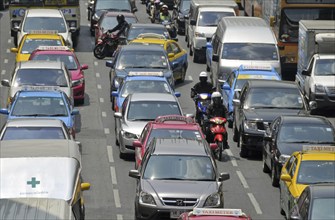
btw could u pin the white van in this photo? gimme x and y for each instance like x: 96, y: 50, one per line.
x: 242, y: 41
x: 203, y: 19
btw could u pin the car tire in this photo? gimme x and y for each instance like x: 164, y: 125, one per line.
x: 81, y: 101
x: 183, y: 74
x: 282, y: 212
x: 2, y: 5
x: 15, y: 40
x: 115, y: 132
x: 266, y: 169
x: 235, y: 133
x: 244, y: 152
x: 274, y: 179
x: 191, y: 51
x: 208, y: 68
x: 196, y: 57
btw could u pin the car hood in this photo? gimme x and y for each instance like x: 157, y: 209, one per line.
x: 76, y: 74
x: 270, y: 114
x: 208, y: 31
x: 289, y: 148
x: 179, y: 188
x: 325, y: 80
x: 134, y: 127
x: 124, y: 72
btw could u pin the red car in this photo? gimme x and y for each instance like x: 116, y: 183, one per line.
x: 169, y: 126
x: 108, y: 21
x: 214, y: 214
x: 67, y: 56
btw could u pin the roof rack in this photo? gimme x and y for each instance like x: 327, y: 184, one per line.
x: 257, y: 67
x: 41, y: 88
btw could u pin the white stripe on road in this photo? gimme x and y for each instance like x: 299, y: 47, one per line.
x: 106, y: 130
x: 3, y: 72
x: 104, y: 114
x: 95, y: 63
x: 190, y: 78
x: 5, y: 60
x: 232, y: 158
x: 8, y: 51
x: 9, y: 41
x: 110, y: 154
x: 242, y: 179
x: 255, y: 203
x: 113, y: 175
x: 97, y: 75
x: 119, y: 217
x: 101, y: 100
x: 99, y: 86
x: 117, y: 198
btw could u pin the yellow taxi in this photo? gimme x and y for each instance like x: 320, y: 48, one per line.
x: 33, y: 40
x: 177, y: 55
x: 312, y: 165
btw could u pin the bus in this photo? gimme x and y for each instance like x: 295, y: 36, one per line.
x: 284, y: 16
x: 70, y: 9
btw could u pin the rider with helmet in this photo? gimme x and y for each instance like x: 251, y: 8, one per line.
x: 121, y: 26
x: 164, y: 15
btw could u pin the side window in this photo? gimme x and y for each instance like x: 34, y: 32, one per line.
x: 289, y: 163
x: 302, y: 199
x: 310, y: 66
x: 304, y: 209
x: 275, y: 126
x: 293, y: 168
x: 124, y: 106
x: 76, y: 210
x: 144, y: 133
x: 175, y: 48
x: 169, y: 49
x: 244, y: 92
x: 215, y: 44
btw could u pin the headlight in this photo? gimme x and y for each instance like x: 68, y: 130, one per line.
x: 250, y: 125
x: 213, y: 200
x: 147, y: 199
x: 78, y: 82
x: 95, y: 17
x: 203, y: 95
x: 181, y: 17
x: 283, y: 158
x: 72, y: 24
x: 16, y: 24
x: 319, y: 89
x: 198, y: 34
x: 130, y: 135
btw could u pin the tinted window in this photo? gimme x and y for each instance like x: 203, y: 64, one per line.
x: 144, y: 86
x: 29, y: 45
x: 323, y: 208
x: 325, y: 67
x: 44, y: 23
x: 173, y: 133
x: 21, y: 133
x: 211, y: 18
x: 311, y: 172
x: 40, y: 77
x: 115, y: 4
x: 142, y: 58
x: 68, y: 60
x: 149, y: 110
x: 249, y: 51
x: 179, y: 167
x: 109, y: 22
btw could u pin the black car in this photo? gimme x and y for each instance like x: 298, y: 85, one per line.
x: 101, y: 6
x: 288, y: 134
x: 261, y: 101
x: 140, y: 28
x: 180, y: 9
x: 315, y: 202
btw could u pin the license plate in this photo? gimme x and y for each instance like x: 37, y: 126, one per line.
x: 176, y: 213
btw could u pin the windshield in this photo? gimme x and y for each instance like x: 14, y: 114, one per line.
x: 249, y: 51
x: 144, y: 86
x: 174, y: 133
x: 40, y: 77
x: 142, y: 59
x: 306, y: 133
x: 30, y: 45
x: 312, y: 172
x: 44, y: 23
x: 289, y: 24
x: 134, y: 32
x: 118, y: 5
x: 150, y: 110
x: 323, y: 208
x: 274, y: 98
x: 22, y: 133
x: 109, y: 22
x: 39, y: 106
x: 68, y: 60
x: 212, y: 18
x: 325, y: 67
x: 160, y: 167
x: 185, y: 5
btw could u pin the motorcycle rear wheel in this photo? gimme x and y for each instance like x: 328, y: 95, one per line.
x: 99, y: 51
x: 219, y: 150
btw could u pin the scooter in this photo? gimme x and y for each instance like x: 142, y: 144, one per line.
x: 106, y: 45
x: 219, y: 133
x: 171, y: 28
x: 202, y: 101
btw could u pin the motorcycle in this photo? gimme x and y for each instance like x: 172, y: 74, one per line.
x: 171, y: 28
x: 106, y: 46
x: 219, y: 133
x: 202, y: 101
x: 154, y: 12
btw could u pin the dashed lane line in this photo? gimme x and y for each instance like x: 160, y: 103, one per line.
x: 232, y: 158
x: 104, y: 114
x: 101, y: 100
x: 117, y: 198
x: 110, y: 154
x: 190, y: 78
x: 113, y: 175
x: 255, y: 203
x: 3, y: 72
x: 106, y: 130
x: 9, y: 41
x: 242, y: 179
x: 8, y: 51
x: 96, y: 63
x: 119, y: 217
x: 5, y: 60
x: 99, y: 86
x: 97, y: 75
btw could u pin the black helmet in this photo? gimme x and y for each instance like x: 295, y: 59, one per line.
x: 120, y: 18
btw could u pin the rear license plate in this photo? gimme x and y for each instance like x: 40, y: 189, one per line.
x: 176, y: 213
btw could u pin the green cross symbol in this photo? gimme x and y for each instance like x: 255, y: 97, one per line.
x: 33, y: 182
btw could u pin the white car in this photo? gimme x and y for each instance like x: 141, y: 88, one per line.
x: 44, y: 20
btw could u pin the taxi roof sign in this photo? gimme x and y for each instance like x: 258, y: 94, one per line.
x: 43, y: 32
x: 318, y: 148
x: 162, y: 119
x: 257, y: 67
x: 64, y: 48
x: 221, y: 212
x: 151, y: 35
x: 132, y: 73
x: 41, y: 88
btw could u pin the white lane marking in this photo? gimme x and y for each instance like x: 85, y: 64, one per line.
x: 8, y: 51
x: 104, y: 114
x: 101, y: 100
x: 119, y: 217
x: 117, y: 198
x: 99, y: 86
x: 97, y: 75
x: 110, y: 154
x: 190, y: 78
x: 255, y: 203
x: 96, y: 63
x: 113, y: 175
x: 5, y: 60
x: 232, y: 159
x: 3, y: 72
x: 242, y: 179
x: 9, y: 41
x: 106, y: 130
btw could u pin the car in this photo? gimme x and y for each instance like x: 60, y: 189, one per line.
x: 287, y: 134
x: 44, y: 19
x: 38, y: 75
x: 180, y: 9
x: 175, y: 176
x: 137, y: 109
x: 68, y: 56
x: 214, y: 214
x: 259, y: 103
x: 100, y: 6
x: 108, y: 21
x: 177, y: 55
x: 315, y: 202
x: 30, y: 42
x: 139, y: 59
x: 35, y: 128
x: 144, y: 83
x: 236, y: 80
x: 43, y: 104
x: 313, y: 165
x: 168, y: 126
x: 140, y: 28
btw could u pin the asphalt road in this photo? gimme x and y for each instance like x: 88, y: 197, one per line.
x: 112, y: 192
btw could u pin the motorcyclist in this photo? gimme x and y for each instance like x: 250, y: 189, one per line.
x: 164, y: 15
x: 215, y: 109
x: 121, y: 26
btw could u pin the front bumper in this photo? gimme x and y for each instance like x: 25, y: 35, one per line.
x: 126, y: 144
x: 157, y: 213
x: 324, y: 100
x: 79, y: 92
x: 253, y: 141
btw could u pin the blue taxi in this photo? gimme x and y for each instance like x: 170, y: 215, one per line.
x: 236, y: 80
x: 42, y: 104
x: 143, y: 83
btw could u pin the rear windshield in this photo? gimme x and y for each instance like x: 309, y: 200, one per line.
x: 249, y: 51
x: 41, y: 77
x: 23, y: 133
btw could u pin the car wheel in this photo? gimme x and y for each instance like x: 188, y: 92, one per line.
x: 15, y: 40
x: 186, y: 39
x: 3, y: 5
x: 191, y: 51
x: 266, y: 169
x: 196, y: 57
x: 281, y: 204
x: 183, y: 74
x: 244, y: 151
x: 208, y: 68
x: 235, y: 133
x: 81, y: 101
x: 274, y: 179
x: 115, y: 132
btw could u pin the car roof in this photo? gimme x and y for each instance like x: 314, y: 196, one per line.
x: 116, y: 13
x: 259, y: 83
x: 322, y: 190
x: 34, y: 93
x: 304, y: 119
x: 142, y: 47
x: 147, y: 25
x: 164, y: 97
x: 146, y: 78
x: 150, y: 41
x: 40, y: 64
x: 44, y: 12
x: 175, y: 125
x: 179, y: 147
x: 34, y: 122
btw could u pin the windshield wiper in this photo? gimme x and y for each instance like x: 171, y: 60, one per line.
x: 33, y: 115
x: 170, y: 178
x: 140, y: 119
x: 55, y: 115
x: 157, y: 67
x: 322, y: 142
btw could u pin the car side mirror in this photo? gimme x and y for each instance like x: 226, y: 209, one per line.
x: 313, y: 105
x: 134, y: 174
x: 286, y: 178
x: 75, y: 111
x: 295, y: 217
x: 85, y: 186
x: 175, y: 39
x: 137, y: 143
x: 84, y: 67
x: 4, y: 111
x: 305, y: 73
x: 236, y: 102
x: 177, y: 94
x: 14, y: 50
x: 171, y: 55
x: 5, y: 82
x: 110, y: 63
x: 224, y: 176
x: 189, y: 115
x: 134, y: 10
x: 117, y: 115
x: 115, y: 94
x: 225, y: 86
x: 193, y: 22
x: 175, y: 7
x: 215, y: 58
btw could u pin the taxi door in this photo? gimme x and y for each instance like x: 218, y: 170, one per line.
x: 228, y: 93
x: 178, y: 60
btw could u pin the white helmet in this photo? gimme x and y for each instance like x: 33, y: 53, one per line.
x: 165, y: 6
x: 216, y: 95
x: 203, y: 74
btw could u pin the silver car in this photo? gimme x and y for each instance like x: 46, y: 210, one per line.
x: 137, y: 109
x: 177, y: 175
